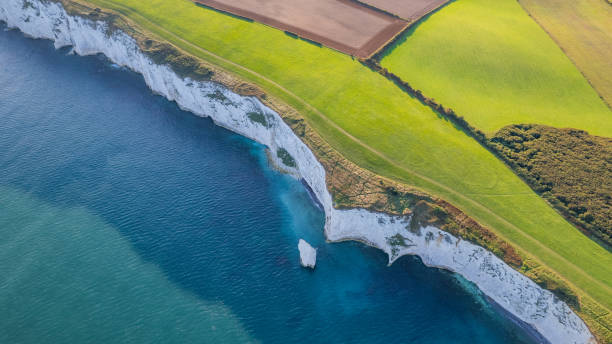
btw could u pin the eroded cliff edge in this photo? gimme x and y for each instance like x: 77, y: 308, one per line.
x: 358, y: 204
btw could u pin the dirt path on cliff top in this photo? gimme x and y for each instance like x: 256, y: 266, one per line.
x: 376, y: 152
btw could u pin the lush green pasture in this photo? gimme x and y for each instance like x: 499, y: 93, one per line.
x: 375, y: 124
x: 583, y: 28
x: 491, y: 63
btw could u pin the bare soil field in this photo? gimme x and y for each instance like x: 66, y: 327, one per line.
x: 338, y: 24
x: 410, y: 10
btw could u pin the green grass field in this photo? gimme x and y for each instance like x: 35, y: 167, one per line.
x: 492, y: 64
x: 375, y: 124
x: 583, y: 28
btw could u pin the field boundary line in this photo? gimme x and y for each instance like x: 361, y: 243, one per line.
x: 609, y: 105
x: 386, y: 159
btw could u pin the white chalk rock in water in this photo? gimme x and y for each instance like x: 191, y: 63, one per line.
x: 509, y: 288
x: 308, y: 254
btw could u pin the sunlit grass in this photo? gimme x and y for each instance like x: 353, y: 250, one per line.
x: 492, y: 64
x: 390, y: 133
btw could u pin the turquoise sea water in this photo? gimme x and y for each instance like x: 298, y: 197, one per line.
x: 126, y: 220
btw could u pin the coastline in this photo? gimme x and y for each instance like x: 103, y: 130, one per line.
x: 514, y: 292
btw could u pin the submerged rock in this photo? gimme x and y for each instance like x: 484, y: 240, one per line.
x: 308, y: 254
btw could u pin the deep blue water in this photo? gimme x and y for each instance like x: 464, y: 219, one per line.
x: 125, y: 219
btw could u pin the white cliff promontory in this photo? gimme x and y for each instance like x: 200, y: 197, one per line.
x: 308, y: 254
x: 520, y: 296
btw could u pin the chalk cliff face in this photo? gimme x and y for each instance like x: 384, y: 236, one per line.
x: 521, y: 297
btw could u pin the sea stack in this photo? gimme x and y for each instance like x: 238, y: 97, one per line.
x: 308, y: 254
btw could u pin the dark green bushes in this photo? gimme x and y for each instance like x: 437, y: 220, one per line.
x: 285, y: 157
x: 258, y: 117
x: 568, y: 167
x: 182, y: 64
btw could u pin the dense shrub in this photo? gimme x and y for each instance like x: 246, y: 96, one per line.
x: 568, y: 167
x: 258, y: 117
x: 166, y: 54
x: 285, y: 157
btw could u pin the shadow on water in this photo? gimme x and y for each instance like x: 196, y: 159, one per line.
x: 201, y: 204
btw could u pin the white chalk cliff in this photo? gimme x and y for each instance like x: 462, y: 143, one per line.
x: 308, y: 254
x: 517, y: 294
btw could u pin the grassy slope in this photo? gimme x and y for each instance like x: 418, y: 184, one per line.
x: 495, y: 66
x: 583, y: 29
x: 379, y: 127
x: 571, y: 169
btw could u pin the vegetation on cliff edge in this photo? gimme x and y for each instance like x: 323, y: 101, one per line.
x: 569, y: 167
x: 360, y: 114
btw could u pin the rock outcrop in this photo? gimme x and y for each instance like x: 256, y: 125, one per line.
x: 521, y: 297
x: 308, y: 254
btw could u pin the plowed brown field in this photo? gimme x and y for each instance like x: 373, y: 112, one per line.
x: 410, y: 10
x: 339, y: 24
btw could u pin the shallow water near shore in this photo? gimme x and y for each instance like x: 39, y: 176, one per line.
x: 125, y: 219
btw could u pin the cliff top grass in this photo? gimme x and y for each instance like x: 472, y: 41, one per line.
x: 493, y: 65
x: 568, y: 167
x: 376, y: 125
